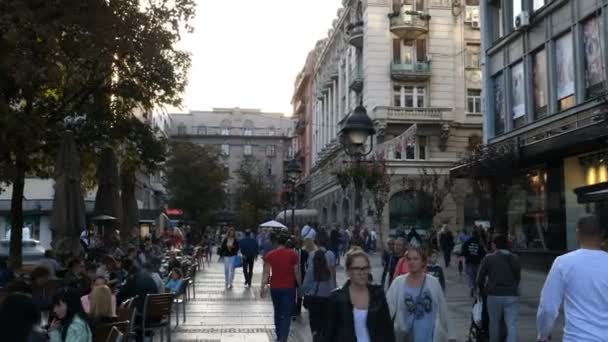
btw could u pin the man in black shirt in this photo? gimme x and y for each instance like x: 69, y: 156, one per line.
x: 473, y: 252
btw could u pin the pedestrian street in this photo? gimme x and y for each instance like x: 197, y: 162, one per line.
x: 221, y: 315
x: 239, y: 314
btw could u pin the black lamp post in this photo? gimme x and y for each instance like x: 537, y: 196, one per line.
x: 293, y: 171
x: 353, y: 137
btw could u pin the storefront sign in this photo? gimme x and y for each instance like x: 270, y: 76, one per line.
x: 174, y: 212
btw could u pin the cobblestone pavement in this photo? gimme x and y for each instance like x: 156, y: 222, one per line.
x: 239, y: 314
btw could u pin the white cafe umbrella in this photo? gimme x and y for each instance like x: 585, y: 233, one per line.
x: 273, y: 224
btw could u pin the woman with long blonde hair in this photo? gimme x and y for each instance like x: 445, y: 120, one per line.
x: 101, y: 309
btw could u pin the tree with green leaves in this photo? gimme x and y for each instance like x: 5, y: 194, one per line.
x: 256, y: 194
x: 86, y: 66
x: 195, y: 179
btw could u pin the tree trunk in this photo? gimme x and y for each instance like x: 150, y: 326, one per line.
x: 15, y: 257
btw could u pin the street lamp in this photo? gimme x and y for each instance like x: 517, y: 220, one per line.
x: 293, y: 172
x: 353, y: 137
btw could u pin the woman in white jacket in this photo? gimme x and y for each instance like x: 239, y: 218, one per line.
x: 417, y: 304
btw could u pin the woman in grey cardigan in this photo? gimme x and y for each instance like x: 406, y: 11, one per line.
x: 417, y: 303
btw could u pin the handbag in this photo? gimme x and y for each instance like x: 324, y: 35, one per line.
x: 237, y: 261
x: 309, y: 300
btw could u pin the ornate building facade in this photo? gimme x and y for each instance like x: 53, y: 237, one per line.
x: 414, y: 65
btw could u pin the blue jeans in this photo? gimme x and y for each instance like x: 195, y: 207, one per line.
x: 283, y: 301
x: 499, y: 306
x: 471, y: 270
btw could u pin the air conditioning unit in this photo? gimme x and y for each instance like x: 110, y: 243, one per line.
x: 522, y: 20
x: 475, y: 24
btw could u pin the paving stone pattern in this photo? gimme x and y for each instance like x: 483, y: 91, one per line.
x: 239, y: 314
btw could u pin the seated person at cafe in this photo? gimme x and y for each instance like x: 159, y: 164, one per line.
x: 71, y: 323
x: 87, y: 300
x: 175, y: 281
x: 139, y: 283
x: 76, y: 277
x: 102, y: 305
x: 20, y: 319
x: 50, y: 262
x: 39, y: 278
x: 6, y: 273
x: 173, y: 262
x: 154, y: 274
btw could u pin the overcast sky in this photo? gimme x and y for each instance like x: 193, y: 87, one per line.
x: 247, y: 53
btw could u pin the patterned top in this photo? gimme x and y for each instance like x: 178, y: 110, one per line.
x: 78, y: 331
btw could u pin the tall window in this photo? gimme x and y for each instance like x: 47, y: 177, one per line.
x: 225, y: 131
x: 397, y: 96
x: 271, y: 131
x: 409, y: 96
x: 540, y: 84
x: 201, y: 130
x: 518, y: 103
x: 271, y: 151
x: 181, y: 129
x: 471, y: 11
x: 474, y: 101
x: 595, y: 73
x: 248, y: 150
x: 473, y: 56
x: 564, y: 59
x: 225, y: 150
x: 499, y: 111
x: 421, y: 147
x: 248, y: 132
x: 497, y: 23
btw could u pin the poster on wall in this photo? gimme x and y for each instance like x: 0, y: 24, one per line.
x: 594, y: 66
x: 499, y: 115
x: 517, y: 82
x: 540, y: 77
x: 565, y: 66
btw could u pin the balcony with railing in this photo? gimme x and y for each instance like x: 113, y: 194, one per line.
x: 410, y: 115
x: 355, y: 34
x: 356, y: 79
x: 415, y: 71
x: 409, y: 25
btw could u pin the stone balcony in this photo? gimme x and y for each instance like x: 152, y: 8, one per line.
x: 355, y: 34
x: 415, y: 71
x: 411, y: 115
x: 409, y: 25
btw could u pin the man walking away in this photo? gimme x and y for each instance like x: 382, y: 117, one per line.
x: 334, y: 241
x: 473, y: 252
x: 446, y: 242
x: 579, y: 279
x: 498, y: 279
x: 249, y: 249
x: 283, y: 264
x: 389, y: 262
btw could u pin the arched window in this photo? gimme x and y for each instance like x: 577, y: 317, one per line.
x: 271, y: 131
x: 225, y: 127
x: 201, y: 130
x: 409, y: 209
x: 248, y: 128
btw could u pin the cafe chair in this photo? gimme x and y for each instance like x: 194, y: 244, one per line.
x: 179, y: 299
x: 103, y: 332
x: 114, y: 336
x: 157, y: 314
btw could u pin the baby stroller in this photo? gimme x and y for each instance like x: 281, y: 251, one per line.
x: 478, y: 330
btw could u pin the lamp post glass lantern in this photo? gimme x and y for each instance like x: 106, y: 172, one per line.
x: 357, y: 129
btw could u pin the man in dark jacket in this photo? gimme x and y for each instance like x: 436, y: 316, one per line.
x: 139, y: 283
x: 473, y: 252
x: 249, y: 249
x: 390, y: 257
x: 498, y: 279
x: 446, y: 243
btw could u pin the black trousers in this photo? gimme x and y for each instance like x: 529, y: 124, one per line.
x: 248, y: 269
x: 317, y: 314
